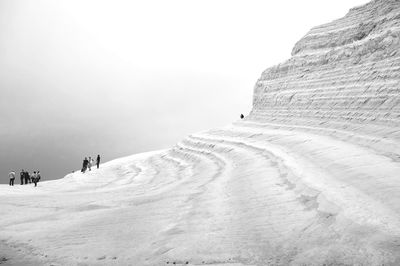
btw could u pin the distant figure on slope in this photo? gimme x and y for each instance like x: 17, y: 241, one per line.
x: 27, y: 178
x: 90, y: 163
x: 98, y: 161
x: 22, y: 176
x: 241, y: 116
x: 85, y: 165
x: 38, y: 176
x: 11, y: 175
x: 34, y: 178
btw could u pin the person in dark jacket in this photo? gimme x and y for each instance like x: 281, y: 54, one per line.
x: 22, y: 176
x: 26, y: 177
x: 98, y: 161
x: 85, y: 165
x: 241, y: 116
x: 38, y: 176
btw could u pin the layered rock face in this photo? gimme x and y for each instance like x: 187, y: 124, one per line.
x: 310, y: 177
x: 345, y: 73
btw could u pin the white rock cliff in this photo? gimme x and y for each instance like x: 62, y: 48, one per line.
x: 345, y: 72
x: 310, y: 177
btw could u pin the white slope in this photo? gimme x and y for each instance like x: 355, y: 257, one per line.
x: 247, y: 194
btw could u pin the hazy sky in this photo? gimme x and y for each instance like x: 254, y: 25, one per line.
x: 82, y: 77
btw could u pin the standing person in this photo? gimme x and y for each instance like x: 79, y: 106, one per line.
x: 90, y: 163
x: 85, y: 165
x: 26, y: 176
x: 98, y: 161
x: 11, y: 175
x: 38, y: 176
x: 30, y: 176
x: 22, y: 176
x: 34, y: 178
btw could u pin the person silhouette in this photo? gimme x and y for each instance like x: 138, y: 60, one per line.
x: 22, y: 176
x: 11, y: 175
x: 35, y: 178
x: 89, y: 164
x: 98, y: 161
x: 85, y: 165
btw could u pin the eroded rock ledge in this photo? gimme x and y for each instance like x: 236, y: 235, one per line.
x: 345, y: 73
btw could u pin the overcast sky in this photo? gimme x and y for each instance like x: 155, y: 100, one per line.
x: 111, y: 77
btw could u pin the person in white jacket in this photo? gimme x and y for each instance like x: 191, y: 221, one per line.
x: 11, y: 175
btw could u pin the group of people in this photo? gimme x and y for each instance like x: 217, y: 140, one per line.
x: 26, y: 177
x: 88, y: 163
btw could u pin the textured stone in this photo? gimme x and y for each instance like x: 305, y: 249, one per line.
x: 311, y: 177
x: 343, y: 72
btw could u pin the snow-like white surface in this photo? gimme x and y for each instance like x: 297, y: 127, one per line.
x: 312, y: 177
x: 246, y: 194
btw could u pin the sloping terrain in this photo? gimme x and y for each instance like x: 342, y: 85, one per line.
x: 246, y: 194
x: 310, y: 177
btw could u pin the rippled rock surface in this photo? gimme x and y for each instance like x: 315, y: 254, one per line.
x: 310, y: 177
